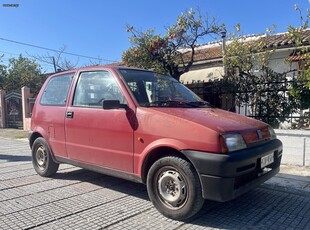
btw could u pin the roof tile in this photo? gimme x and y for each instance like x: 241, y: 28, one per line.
x: 280, y: 40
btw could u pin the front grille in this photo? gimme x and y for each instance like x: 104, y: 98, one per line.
x: 245, y: 168
x: 250, y: 176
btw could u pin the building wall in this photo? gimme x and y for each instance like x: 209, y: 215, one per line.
x: 279, y: 63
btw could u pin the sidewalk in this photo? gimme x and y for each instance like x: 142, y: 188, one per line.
x: 13, y: 133
x: 292, y: 178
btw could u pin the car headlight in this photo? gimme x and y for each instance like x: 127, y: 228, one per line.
x: 233, y: 142
x: 272, y: 133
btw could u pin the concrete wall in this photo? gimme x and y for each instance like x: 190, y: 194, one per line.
x: 2, y: 109
x: 296, y: 146
x: 26, y: 110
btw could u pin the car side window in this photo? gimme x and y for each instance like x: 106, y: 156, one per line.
x: 95, y: 87
x: 56, y: 90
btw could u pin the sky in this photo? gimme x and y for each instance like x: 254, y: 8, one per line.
x: 96, y: 29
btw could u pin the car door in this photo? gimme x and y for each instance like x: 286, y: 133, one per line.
x: 50, y: 117
x: 95, y: 135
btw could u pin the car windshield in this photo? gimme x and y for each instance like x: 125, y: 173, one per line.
x: 157, y: 90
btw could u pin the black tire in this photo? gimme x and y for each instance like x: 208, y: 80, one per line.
x: 42, y: 159
x: 174, y: 188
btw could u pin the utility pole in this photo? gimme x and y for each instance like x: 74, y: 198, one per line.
x: 54, y: 63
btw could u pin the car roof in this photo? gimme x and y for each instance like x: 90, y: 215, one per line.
x: 96, y: 67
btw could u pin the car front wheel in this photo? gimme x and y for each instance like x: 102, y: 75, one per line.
x: 174, y: 188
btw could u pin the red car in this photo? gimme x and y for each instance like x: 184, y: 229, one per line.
x: 149, y: 128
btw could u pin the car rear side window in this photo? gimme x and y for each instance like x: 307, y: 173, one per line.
x: 56, y: 90
x: 95, y: 87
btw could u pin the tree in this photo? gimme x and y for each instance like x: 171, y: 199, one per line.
x: 3, y: 73
x: 263, y: 96
x: 174, y: 52
x: 253, y: 82
x: 300, y: 91
x: 246, y: 55
x: 22, y: 72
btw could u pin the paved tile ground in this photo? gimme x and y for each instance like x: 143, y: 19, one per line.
x: 80, y: 199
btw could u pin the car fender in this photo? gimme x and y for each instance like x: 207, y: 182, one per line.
x: 140, y: 160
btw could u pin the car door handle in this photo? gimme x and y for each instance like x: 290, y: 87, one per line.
x: 69, y: 114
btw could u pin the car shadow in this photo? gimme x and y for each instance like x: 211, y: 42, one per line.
x: 120, y: 185
x: 12, y: 158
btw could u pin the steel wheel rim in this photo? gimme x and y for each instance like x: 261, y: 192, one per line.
x: 41, y: 157
x: 172, y: 188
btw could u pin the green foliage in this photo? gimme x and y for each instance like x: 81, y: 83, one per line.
x: 271, y: 101
x: 255, y: 84
x: 173, y: 52
x: 21, y: 72
x: 263, y: 90
x: 300, y: 90
x: 265, y: 95
x: 3, y: 72
x: 141, y: 55
x: 247, y: 55
x: 296, y: 34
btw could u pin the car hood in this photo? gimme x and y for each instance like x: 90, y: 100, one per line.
x: 216, y: 119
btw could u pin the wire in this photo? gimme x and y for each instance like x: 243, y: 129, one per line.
x: 57, y: 51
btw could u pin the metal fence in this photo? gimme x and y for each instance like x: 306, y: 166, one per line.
x: 273, y: 101
x: 13, y: 110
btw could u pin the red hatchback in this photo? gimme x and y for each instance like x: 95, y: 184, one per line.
x: 149, y: 128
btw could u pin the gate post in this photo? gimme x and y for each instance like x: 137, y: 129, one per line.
x: 26, y: 109
x: 2, y: 109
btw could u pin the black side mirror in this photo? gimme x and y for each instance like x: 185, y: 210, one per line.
x: 114, y: 104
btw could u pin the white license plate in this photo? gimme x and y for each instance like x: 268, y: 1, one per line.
x: 266, y: 160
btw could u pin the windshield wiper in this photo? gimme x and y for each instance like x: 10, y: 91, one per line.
x: 166, y: 103
x: 200, y: 104
x: 178, y: 103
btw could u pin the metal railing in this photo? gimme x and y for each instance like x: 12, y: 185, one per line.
x: 239, y: 98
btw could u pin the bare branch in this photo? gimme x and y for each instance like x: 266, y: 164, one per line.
x: 173, y: 52
x: 56, y: 59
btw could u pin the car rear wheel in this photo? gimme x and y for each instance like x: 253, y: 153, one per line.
x: 174, y: 188
x: 42, y: 159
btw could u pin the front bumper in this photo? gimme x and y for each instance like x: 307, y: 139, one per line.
x: 226, y: 176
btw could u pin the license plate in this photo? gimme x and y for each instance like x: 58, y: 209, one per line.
x: 266, y: 160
